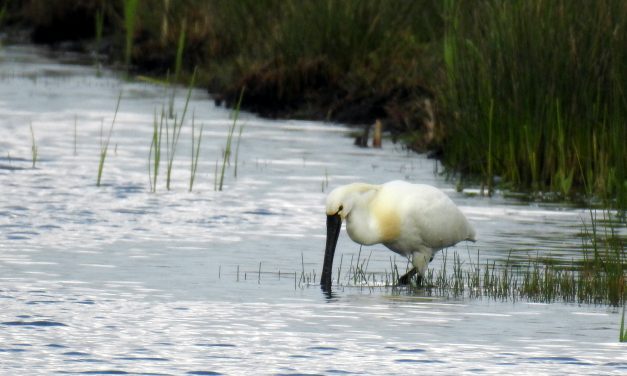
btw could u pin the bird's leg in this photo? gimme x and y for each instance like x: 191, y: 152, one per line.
x: 405, y: 278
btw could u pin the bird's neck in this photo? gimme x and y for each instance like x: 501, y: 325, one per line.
x: 361, y: 225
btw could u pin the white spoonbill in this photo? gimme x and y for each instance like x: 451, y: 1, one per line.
x: 413, y: 220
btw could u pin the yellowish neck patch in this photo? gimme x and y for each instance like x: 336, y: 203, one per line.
x: 387, y: 219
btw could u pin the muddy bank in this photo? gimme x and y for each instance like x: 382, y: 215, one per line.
x: 311, y: 90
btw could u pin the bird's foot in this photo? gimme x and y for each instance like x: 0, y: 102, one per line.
x: 406, y: 279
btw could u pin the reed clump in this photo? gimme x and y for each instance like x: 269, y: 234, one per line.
x: 591, y: 281
x: 543, y: 107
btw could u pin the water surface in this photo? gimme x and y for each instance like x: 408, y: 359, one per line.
x: 118, y: 280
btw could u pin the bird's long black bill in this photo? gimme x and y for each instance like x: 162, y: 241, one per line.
x: 334, y: 224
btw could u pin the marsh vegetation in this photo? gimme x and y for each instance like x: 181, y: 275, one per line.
x: 535, y: 109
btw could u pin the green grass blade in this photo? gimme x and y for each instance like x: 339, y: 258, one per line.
x: 104, y: 146
x: 227, y: 150
x: 623, y: 332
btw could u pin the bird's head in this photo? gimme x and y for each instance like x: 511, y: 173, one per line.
x: 339, y: 204
x: 342, y: 199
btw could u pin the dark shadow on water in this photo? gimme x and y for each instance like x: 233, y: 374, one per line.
x: 11, y: 167
x: 39, y: 323
x: 328, y: 293
x: 558, y: 359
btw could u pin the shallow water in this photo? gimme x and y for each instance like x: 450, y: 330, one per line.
x: 116, y: 279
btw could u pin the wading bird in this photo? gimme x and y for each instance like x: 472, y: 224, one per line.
x: 413, y: 220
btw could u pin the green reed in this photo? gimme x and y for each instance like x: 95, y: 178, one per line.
x: 195, y: 152
x: 226, y: 155
x: 104, y: 144
x: 178, y: 64
x: 130, y: 19
x: 154, y: 155
x: 180, y: 48
x: 622, y: 336
x: 34, y: 149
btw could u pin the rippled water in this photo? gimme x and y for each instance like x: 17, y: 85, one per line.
x: 118, y: 280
